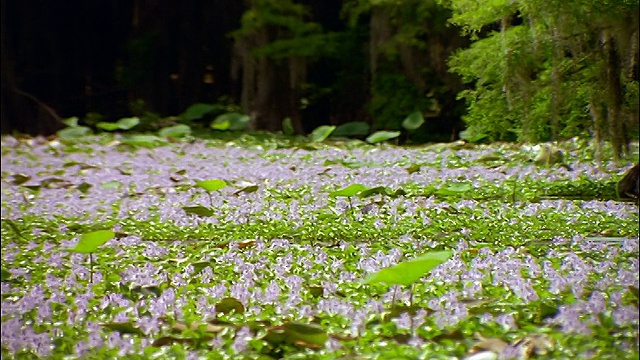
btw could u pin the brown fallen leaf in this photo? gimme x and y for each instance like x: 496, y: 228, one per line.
x: 492, y: 344
x: 208, y: 327
x: 539, y: 344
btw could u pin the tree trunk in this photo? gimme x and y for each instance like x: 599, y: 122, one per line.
x: 614, y: 98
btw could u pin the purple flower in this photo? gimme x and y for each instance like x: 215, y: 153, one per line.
x: 241, y: 339
x: 625, y: 315
x: 506, y: 321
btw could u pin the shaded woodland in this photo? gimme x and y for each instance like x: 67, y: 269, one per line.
x: 527, y: 72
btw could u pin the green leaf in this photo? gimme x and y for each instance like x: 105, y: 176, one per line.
x: 71, y: 122
x: 122, y: 124
x: 84, y: 187
x: 247, y: 189
x: 413, y: 168
x: 454, y: 188
x: 111, y: 184
x: 380, y: 136
x: 123, y: 328
x: 472, y: 136
x: 350, y: 190
x: 230, y: 121
x: 19, y: 179
x: 287, y: 126
x: 221, y: 125
x: 408, y: 272
x: 107, y: 126
x: 320, y: 133
x: 228, y: 305
x: 75, y: 132
x: 175, y: 131
x: 413, y: 121
x: 308, y: 333
x: 148, y: 141
x: 128, y: 123
x: 197, y: 111
x: 90, y: 242
x: 198, y: 210
x: 6, y: 275
x: 211, y: 185
x: 353, y: 128
x: 374, y: 191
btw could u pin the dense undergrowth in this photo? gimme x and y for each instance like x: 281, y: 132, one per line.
x: 270, y: 259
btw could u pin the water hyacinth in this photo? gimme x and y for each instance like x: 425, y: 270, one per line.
x: 292, y: 258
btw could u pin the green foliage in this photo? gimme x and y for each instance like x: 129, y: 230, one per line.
x: 380, y: 136
x: 350, y: 190
x: 408, y: 272
x: 90, y: 242
x: 320, y: 133
x: 537, y: 78
x: 413, y: 121
x: 211, y: 185
x: 142, y: 140
x: 175, y: 131
x: 122, y: 124
x: 354, y: 128
x: 393, y: 97
x: 73, y: 131
x: 312, y: 252
x: 230, y: 121
x: 287, y: 126
x: 301, y: 38
x: 198, y: 111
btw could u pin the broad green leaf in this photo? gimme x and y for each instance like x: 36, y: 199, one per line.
x: 107, y: 126
x: 228, y: 305
x: 73, y: 132
x: 472, y: 136
x: 320, y: 133
x: 123, y: 328
x: 19, y: 179
x: 143, y: 140
x: 230, y: 121
x: 198, y: 210
x: 454, y: 188
x: 128, y: 123
x: 71, y: 122
x: 380, y: 136
x: 408, y: 272
x: 374, y: 191
x: 211, y: 185
x: 6, y: 275
x: 350, y: 190
x: 413, y: 168
x: 90, y: 242
x: 413, y: 121
x: 84, y: 187
x: 111, y: 184
x: 247, y: 189
x: 353, y: 128
x: 287, y: 126
x: 147, y: 291
x: 175, y: 131
x: 197, y: 111
x: 221, y: 125
x: 122, y: 124
x: 308, y: 333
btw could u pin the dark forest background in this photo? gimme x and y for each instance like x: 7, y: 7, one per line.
x: 529, y: 71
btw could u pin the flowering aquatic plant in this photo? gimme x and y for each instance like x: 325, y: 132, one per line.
x: 275, y: 265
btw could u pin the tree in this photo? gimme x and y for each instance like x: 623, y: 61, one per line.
x: 544, y: 70
x: 272, y: 49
